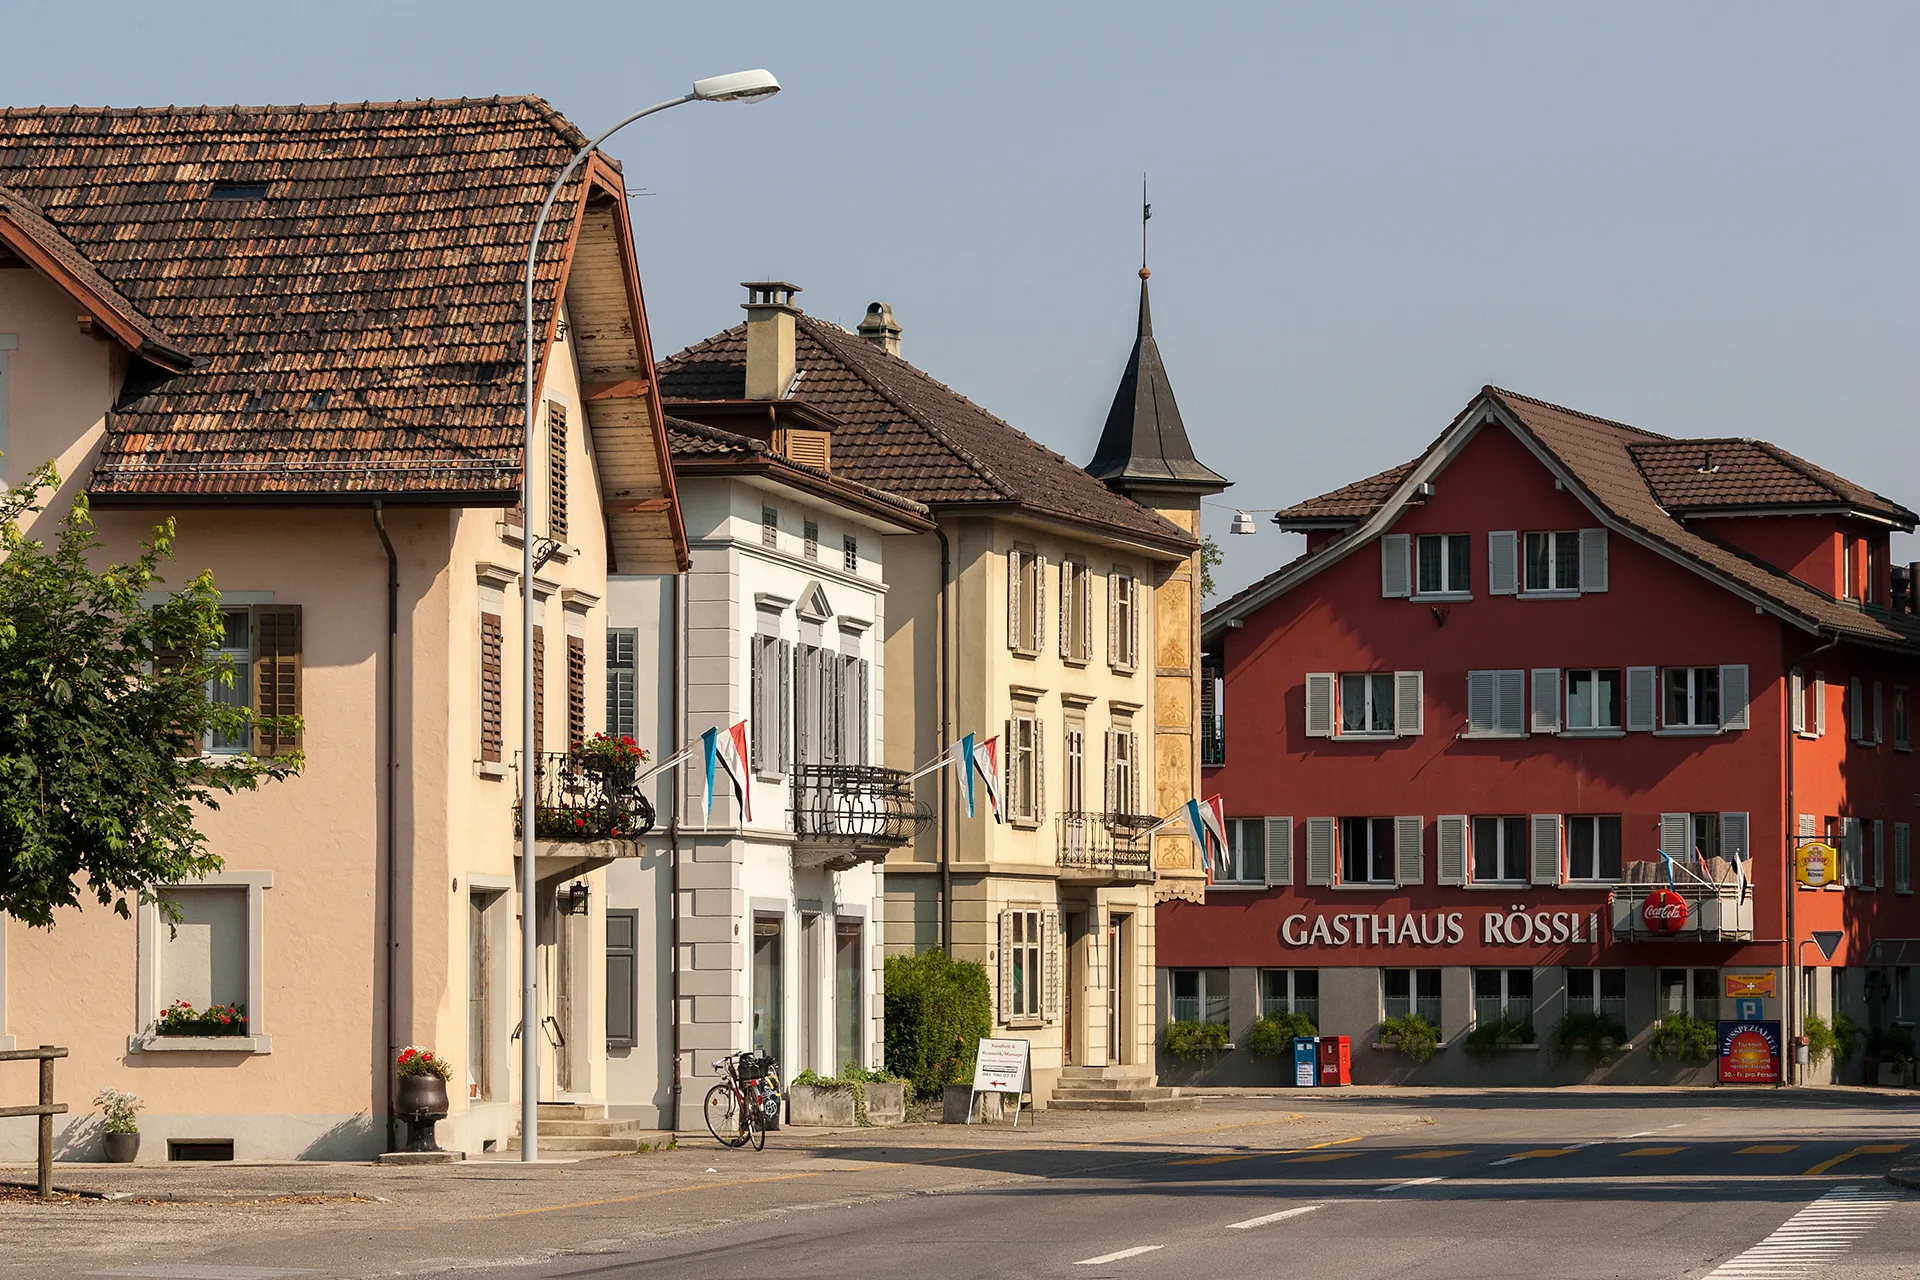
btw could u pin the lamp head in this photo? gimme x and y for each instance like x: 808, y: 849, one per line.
x: 740, y: 86
x: 1242, y: 522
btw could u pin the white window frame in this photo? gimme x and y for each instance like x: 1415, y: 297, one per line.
x: 1554, y: 591
x: 850, y: 552
x: 1201, y: 995
x: 1593, y: 821
x: 810, y: 539
x: 1243, y: 836
x: 242, y: 656
x: 1414, y: 998
x: 1619, y: 675
x: 1693, y: 723
x: 1369, y: 706
x: 1448, y: 588
x: 1373, y: 855
x: 1516, y: 861
x: 1026, y: 1002
x: 1023, y: 767
x: 1597, y: 1002
x: 1026, y: 568
x: 1124, y: 591
x: 1076, y: 612
x: 1506, y: 973
x: 149, y: 933
x: 1290, y: 1002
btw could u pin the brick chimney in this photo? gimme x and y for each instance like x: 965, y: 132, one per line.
x: 879, y: 328
x: 770, y: 359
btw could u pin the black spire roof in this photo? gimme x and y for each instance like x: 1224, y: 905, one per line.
x: 1144, y: 444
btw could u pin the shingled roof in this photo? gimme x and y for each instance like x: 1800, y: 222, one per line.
x: 902, y: 431
x: 702, y: 449
x: 1599, y: 460
x: 352, y: 323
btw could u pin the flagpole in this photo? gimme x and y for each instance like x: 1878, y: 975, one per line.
x: 939, y: 761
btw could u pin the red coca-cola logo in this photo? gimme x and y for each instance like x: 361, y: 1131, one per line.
x: 1664, y: 911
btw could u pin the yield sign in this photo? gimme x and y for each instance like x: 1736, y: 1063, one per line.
x: 1828, y: 940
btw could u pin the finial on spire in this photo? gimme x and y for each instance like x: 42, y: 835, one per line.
x: 1146, y: 212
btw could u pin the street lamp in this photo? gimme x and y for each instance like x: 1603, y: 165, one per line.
x: 740, y: 86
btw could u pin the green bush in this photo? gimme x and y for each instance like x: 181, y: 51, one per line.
x: 853, y: 1079
x: 1273, y: 1035
x: 1594, y: 1035
x: 938, y: 1010
x: 1412, y: 1036
x: 1821, y: 1042
x: 1846, y: 1037
x: 1493, y: 1037
x: 1186, y: 1039
x: 1692, y: 1039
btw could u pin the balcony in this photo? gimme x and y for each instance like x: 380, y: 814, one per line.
x: 580, y: 804
x: 1719, y: 904
x: 1105, y: 848
x: 846, y: 814
x: 1213, y: 741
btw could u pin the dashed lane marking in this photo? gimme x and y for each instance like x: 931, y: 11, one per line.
x: 1265, y: 1218
x: 1413, y: 1182
x: 1324, y: 1156
x: 1869, y: 1149
x: 1652, y: 1151
x: 1767, y: 1149
x: 1121, y: 1256
x: 1814, y: 1238
x: 1440, y: 1153
x: 1212, y: 1160
x: 1540, y: 1153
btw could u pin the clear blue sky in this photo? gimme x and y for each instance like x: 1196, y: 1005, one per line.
x: 1697, y: 218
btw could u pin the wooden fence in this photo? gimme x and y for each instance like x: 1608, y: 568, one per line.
x: 46, y: 1109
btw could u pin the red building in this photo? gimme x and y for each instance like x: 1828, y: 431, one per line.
x: 1459, y: 738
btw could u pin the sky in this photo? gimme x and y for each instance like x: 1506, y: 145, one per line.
x: 1697, y: 218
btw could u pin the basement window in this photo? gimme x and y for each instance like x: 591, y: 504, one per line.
x: 200, y: 1149
x: 238, y: 191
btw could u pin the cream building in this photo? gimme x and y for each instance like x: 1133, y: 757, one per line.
x: 1047, y: 610
x: 298, y: 338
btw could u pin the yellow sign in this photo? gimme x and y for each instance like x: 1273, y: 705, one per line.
x: 1816, y: 864
x: 1749, y: 984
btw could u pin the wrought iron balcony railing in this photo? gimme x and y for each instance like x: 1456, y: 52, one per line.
x: 1106, y: 846
x: 852, y: 806
x: 580, y: 798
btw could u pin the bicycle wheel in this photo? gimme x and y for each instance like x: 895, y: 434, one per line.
x: 756, y: 1119
x: 725, y: 1116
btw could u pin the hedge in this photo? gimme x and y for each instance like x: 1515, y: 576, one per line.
x: 938, y: 1010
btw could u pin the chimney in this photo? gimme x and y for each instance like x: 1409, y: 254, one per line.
x: 770, y: 360
x: 879, y: 328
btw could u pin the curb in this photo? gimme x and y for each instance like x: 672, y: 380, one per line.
x: 1907, y: 1176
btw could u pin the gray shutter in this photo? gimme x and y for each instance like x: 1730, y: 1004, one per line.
x: 1011, y: 801
x: 1879, y: 852
x: 1819, y: 705
x: 1593, y: 560
x: 866, y: 713
x: 1796, y: 694
x: 1050, y: 962
x: 785, y: 757
x: 756, y: 708
x: 1013, y: 599
x: 1136, y: 605
x: 1319, y: 704
x: 1409, y: 704
x: 1643, y: 700
x: 1452, y: 849
x: 1879, y: 724
x: 1320, y: 851
x: 1480, y: 702
x: 1676, y: 836
x: 1546, y: 848
x: 1039, y: 605
x: 1108, y: 802
x: 1066, y: 608
x: 1039, y: 769
x: 1733, y: 696
x: 1733, y: 837
x: 623, y: 977
x: 1006, y: 965
x: 1512, y: 700
x: 1503, y: 563
x: 1409, y: 853
x: 1083, y: 591
x: 1133, y: 774
x: 1279, y: 850
x: 1546, y: 700
x: 1395, y: 572
x: 1902, y: 858
x: 1113, y: 621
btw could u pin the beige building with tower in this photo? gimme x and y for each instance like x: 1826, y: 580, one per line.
x: 1046, y: 609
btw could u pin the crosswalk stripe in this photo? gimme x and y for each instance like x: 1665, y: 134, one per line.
x: 1813, y: 1238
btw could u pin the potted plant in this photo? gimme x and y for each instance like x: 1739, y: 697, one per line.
x: 611, y: 757
x: 1193, y: 1040
x: 1411, y: 1036
x: 1686, y: 1037
x: 421, y: 1099
x: 121, y: 1111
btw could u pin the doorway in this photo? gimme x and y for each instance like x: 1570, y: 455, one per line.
x: 1118, y: 995
x: 1073, y: 937
x: 812, y: 996
x: 766, y: 985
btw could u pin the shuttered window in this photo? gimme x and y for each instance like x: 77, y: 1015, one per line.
x: 1123, y: 621
x: 275, y: 678
x: 1879, y: 853
x: 1368, y: 851
x: 1503, y: 562
x: 1026, y: 600
x: 1546, y: 848
x: 1320, y: 704
x: 1442, y: 564
x: 623, y: 977
x: 556, y: 471
x: 1320, y: 839
x: 490, y: 730
x: 576, y: 692
x: 1409, y: 850
x: 1076, y: 612
x: 1396, y: 576
x: 1451, y: 846
x: 1500, y: 849
x: 1902, y: 858
x: 1024, y: 962
x: 1496, y: 704
x: 1546, y: 700
x: 539, y: 690
x: 623, y: 644
x: 1733, y: 696
x: 1593, y: 698
x: 1642, y: 698
x: 1280, y: 851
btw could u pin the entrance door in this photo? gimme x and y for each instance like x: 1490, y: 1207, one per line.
x: 812, y: 996
x: 1073, y: 930
x: 569, y: 945
x: 1118, y: 996
x: 767, y: 994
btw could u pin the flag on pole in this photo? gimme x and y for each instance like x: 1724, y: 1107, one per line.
x: 729, y: 749
x: 963, y: 760
x: 986, y: 762
x: 1209, y: 831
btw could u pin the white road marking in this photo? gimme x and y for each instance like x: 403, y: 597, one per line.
x: 1415, y: 1182
x: 1815, y: 1237
x: 1264, y: 1219
x: 1134, y: 1252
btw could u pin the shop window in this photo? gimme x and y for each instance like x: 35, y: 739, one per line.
x: 1503, y: 997
x: 1499, y: 850
x: 1593, y: 846
x: 1411, y: 991
x: 1290, y: 991
x: 1601, y: 991
x: 1199, y: 995
x: 849, y: 1016
x: 1695, y: 992
x: 1366, y: 851
x: 767, y: 973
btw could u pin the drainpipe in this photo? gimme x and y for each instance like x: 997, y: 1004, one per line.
x: 1795, y: 1015
x: 393, y: 777
x: 946, y: 736
x: 677, y: 778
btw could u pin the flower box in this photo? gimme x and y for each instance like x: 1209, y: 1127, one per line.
x: 182, y: 1019
x: 833, y: 1107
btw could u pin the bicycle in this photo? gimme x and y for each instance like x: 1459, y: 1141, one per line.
x: 739, y: 1107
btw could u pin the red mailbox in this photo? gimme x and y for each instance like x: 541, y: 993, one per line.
x: 1336, y: 1059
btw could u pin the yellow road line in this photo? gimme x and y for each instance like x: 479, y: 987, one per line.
x: 1767, y: 1149
x: 1869, y: 1149
x: 1323, y: 1156
x: 1542, y: 1153
x: 1440, y: 1154
x: 1652, y: 1151
x: 1212, y: 1160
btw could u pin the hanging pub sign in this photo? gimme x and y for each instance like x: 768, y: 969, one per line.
x: 1664, y: 912
x: 1816, y: 864
x: 1749, y: 1053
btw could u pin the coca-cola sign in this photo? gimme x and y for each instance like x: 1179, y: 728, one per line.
x: 1664, y: 911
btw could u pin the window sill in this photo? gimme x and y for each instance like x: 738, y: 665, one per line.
x: 1518, y: 1048
x: 1547, y: 595
x: 1497, y: 886
x: 1593, y: 733
x: 1590, y: 885
x: 489, y: 769
x: 1357, y: 736
x: 1440, y: 597
x: 1239, y: 886
x: 1689, y: 731
x: 1902, y: 746
x: 1018, y: 652
x: 1494, y: 737
x: 1023, y: 824
x: 1376, y: 886
x: 512, y: 534
x: 150, y: 1043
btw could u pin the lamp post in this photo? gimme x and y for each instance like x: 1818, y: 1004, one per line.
x: 741, y: 86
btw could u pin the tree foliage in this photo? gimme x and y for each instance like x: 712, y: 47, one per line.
x: 105, y: 684
x: 1210, y: 558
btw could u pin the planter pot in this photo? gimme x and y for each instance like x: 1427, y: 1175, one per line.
x: 955, y: 1105
x: 834, y: 1108
x: 420, y: 1101
x: 1890, y: 1073
x: 122, y: 1147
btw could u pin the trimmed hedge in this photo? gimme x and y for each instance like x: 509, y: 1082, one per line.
x: 938, y: 1011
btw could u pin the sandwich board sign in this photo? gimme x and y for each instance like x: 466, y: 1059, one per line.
x: 1001, y: 1066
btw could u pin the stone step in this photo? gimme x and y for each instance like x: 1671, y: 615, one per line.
x: 1123, y: 1104
x: 1119, y: 1071
x: 1098, y: 1084
x: 590, y: 1128
x: 573, y: 1111
x: 580, y: 1143
x: 1143, y: 1093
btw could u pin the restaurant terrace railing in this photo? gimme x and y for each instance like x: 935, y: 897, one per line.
x: 577, y: 797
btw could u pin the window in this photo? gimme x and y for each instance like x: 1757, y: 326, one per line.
x: 623, y: 682
x: 576, y: 692
x: 1022, y: 790
x: 1705, y: 830
x: 1213, y: 724
x: 210, y: 958
x: 1411, y: 992
x: 1593, y: 847
x: 1849, y: 574
x: 1075, y: 781
x: 262, y: 644
x: 849, y: 1016
x: 490, y: 728
x: 539, y: 690
x: 1499, y: 850
x: 1496, y: 704
x: 236, y: 645
x: 1123, y: 776
x: 1601, y: 991
x: 1290, y: 991
x: 1692, y: 697
x: 1593, y: 699
x: 810, y: 539
x: 484, y: 912
x: 1374, y: 704
x: 1901, y: 740
x: 1870, y: 579
x: 1809, y: 703
x: 850, y: 687
x: 767, y: 658
x: 1902, y: 858
x: 1553, y: 561
x: 1246, y: 852
x: 815, y: 724
x: 1026, y: 598
x: 1122, y: 620
x: 556, y: 471
x: 1366, y: 851
x: 1366, y: 704
x: 1504, y: 997
x: 768, y: 963
x: 1443, y: 563
x: 1693, y: 992
x: 1025, y: 946
x: 1199, y: 995
x: 849, y: 553
x: 1076, y: 612
x: 769, y: 527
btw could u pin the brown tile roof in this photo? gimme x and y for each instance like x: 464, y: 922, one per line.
x: 906, y: 433
x: 1702, y: 475
x: 1349, y: 503
x: 355, y: 331
x: 1600, y: 457
x: 695, y: 444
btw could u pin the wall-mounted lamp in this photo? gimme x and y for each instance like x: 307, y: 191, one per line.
x: 574, y: 900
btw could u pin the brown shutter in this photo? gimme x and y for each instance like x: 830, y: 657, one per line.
x: 556, y: 472
x: 490, y: 687
x: 276, y: 677
x: 539, y: 690
x: 576, y: 692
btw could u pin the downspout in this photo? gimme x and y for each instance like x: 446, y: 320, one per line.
x: 393, y: 768
x: 1795, y: 1015
x: 677, y: 779
x: 946, y: 736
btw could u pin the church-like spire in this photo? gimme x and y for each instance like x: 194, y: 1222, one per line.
x: 1144, y: 444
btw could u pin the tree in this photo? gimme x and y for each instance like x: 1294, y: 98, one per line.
x: 106, y: 691
x: 1210, y: 558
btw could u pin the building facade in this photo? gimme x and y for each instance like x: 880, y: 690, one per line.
x: 1463, y: 734
x: 319, y: 383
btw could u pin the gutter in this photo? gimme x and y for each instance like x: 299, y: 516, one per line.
x: 1796, y: 1015
x: 386, y: 817
x: 946, y: 735
x: 676, y: 779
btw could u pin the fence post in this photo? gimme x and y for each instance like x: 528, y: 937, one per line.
x: 46, y: 1125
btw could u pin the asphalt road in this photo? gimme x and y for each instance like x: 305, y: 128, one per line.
x: 1563, y: 1185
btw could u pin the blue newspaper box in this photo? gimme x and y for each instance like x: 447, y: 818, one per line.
x: 1306, y: 1061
